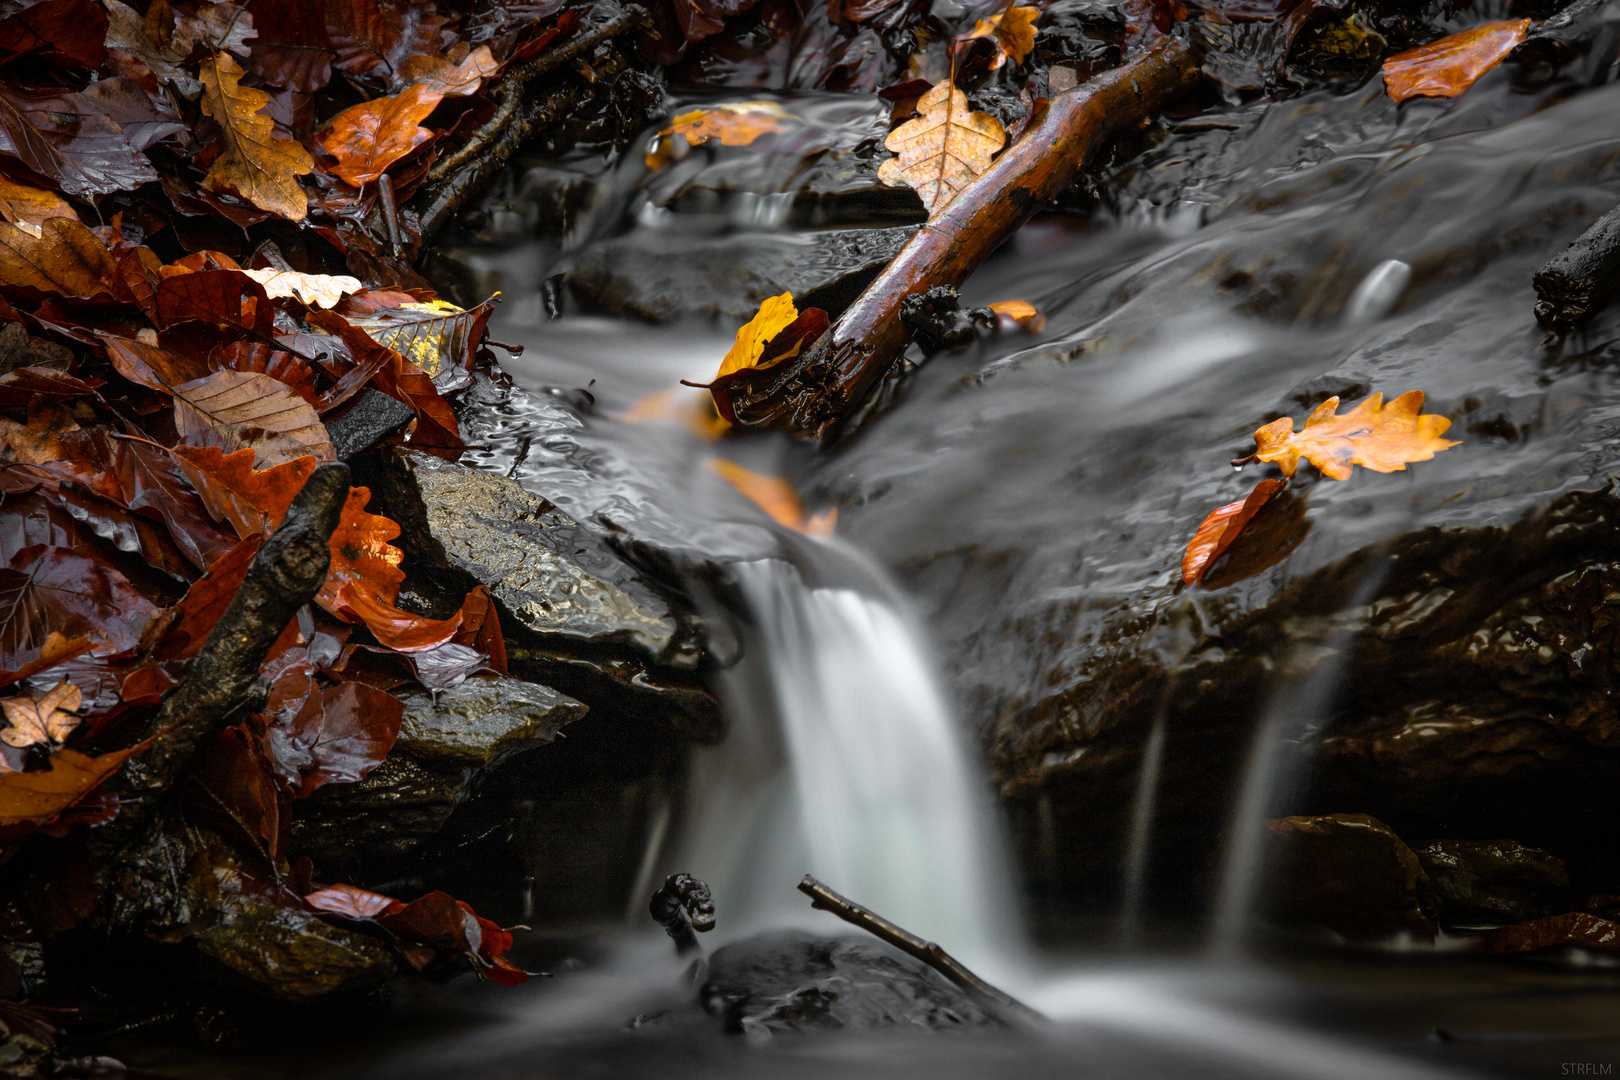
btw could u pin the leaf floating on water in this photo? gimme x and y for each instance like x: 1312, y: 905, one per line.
x: 943, y: 150
x: 1447, y: 67
x: 1378, y: 437
x: 45, y: 720
x: 776, y: 497
x: 1217, y: 531
x: 1020, y: 313
x: 1013, y: 32
x: 738, y: 124
x: 254, y: 163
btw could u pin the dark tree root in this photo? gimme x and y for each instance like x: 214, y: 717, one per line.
x: 223, y: 680
x: 460, y: 175
x: 811, y: 395
x: 824, y: 899
x: 680, y: 906
x: 1582, y: 278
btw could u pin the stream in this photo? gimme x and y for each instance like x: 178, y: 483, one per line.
x: 985, y: 707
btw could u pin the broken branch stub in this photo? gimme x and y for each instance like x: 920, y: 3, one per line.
x: 683, y: 904
x: 812, y: 394
x: 1582, y: 278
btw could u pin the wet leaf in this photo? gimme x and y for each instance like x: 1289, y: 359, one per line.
x: 350, y: 902
x: 252, y: 500
x: 228, y: 302
x: 193, y: 618
x: 775, y: 496
x: 147, y: 480
x: 399, y: 630
x: 292, y: 48
x: 246, y: 409
x: 64, y: 138
x: 1012, y: 31
x: 440, y: 920
x: 447, y: 665
x: 1020, y: 313
x: 1218, y: 531
x: 314, y: 290
x: 363, y: 560
x: 38, y: 441
x: 679, y: 405
x: 42, y: 721
x: 29, y: 207
x: 48, y: 590
x: 63, y: 258
x: 66, y: 29
x: 368, y: 138
x: 435, y: 336
x: 943, y: 150
x: 451, y: 80
x: 790, y: 341
x: 1447, y: 67
x: 364, y: 35
x: 240, y: 787
x: 149, y: 365
x: 254, y: 163
x: 1381, y: 438
x: 38, y: 797
x: 774, y: 315
x: 739, y: 124
x: 481, y: 628
x: 436, y: 430
x: 58, y: 649
x: 339, y: 736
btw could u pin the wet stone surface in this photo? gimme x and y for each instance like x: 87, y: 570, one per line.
x: 1350, y: 874
x: 483, y: 719
x: 1493, y: 881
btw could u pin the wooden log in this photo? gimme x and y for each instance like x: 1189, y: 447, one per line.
x: 811, y: 395
x: 1581, y: 278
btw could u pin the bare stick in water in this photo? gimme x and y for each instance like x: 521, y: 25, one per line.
x: 824, y: 899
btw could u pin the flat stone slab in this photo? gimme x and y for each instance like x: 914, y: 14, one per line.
x: 484, y: 719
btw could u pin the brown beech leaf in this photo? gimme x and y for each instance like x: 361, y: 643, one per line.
x: 149, y: 365
x: 253, y: 500
x: 1379, y: 437
x: 944, y: 149
x: 368, y: 138
x: 292, y: 49
x: 64, y: 258
x: 254, y: 162
x: 29, y: 207
x: 1013, y: 32
x: 776, y: 314
x: 238, y: 784
x: 364, y: 35
x: 67, y: 139
x: 66, y: 29
x: 38, y: 797
x: 46, y: 590
x: 737, y: 124
x: 246, y: 409
x: 481, y: 628
x: 337, y: 737
x: 39, y: 440
x: 197, y: 612
x: 350, y: 902
x: 58, y: 649
x: 448, y: 79
x: 153, y: 48
x: 440, y: 920
x: 1447, y: 67
x: 1217, y: 531
x: 42, y: 721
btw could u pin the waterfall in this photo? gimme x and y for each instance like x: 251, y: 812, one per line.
x: 844, y: 761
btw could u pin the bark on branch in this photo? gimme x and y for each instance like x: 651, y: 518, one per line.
x: 824, y: 899
x: 1582, y: 278
x: 812, y: 395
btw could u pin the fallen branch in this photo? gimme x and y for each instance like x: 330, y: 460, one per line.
x: 824, y: 899
x: 680, y: 906
x: 1582, y: 278
x: 812, y: 395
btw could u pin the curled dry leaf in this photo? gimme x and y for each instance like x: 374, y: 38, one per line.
x: 37, y: 797
x: 776, y: 497
x: 313, y: 290
x: 1013, y: 32
x: 737, y: 124
x: 368, y: 138
x: 1379, y: 437
x: 64, y: 258
x: 29, y: 207
x: 1019, y: 313
x: 1447, y: 67
x: 1217, y: 531
x: 944, y: 149
x: 42, y: 721
x: 254, y: 163
x: 246, y: 409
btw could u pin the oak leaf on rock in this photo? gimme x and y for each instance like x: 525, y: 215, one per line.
x: 254, y: 163
x: 942, y: 151
x: 1383, y: 438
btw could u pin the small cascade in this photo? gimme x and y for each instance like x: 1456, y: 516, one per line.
x: 844, y: 761
x: 1140, y: 841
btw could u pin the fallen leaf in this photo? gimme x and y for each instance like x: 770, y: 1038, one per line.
x: 775, y: 496
x: 64, y: 258
x: 246, y: 409
x: 149, y: 365
x: 1020, y: 313
x: 1013, y: 32
x: 775, y: 315
x: 749, y: 363
x: 65, y: 29
x: 451, y: 80
x: 435, y: 336
x: 739, y: 124
x: 193, y: 618
x: 37, y: 797
x: 1217, y: 531
x: 313, y: 290
x: 350, y: 902
x: 228, y: 303
x: 944, y: 149
x: 1381, y: 438
x: 42, y: 721
x: 679, y: 405
x: 435, y: 430
x: 254, y: 162
x: 445, y: 922
x: 48, y: 590
x: 481, y: 628
x: 58, y: 649
x: 29, y: 207
x: 447, y: 665
x: 368, y: 138
x: 64, y: 137
x: 365, y: 35
x: 398, y: 630
x: 292, y: 48
x: 252, y: 500
x: 337, y: 737
x: 363, y: 560
x: 1447, y: 67
x: 240, y: 787
x: 38, y: 441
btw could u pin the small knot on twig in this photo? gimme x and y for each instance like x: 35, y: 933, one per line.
x: 681, y: 906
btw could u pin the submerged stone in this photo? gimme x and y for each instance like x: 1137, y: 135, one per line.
x: 1492, y: 881
x: 1348, y: 873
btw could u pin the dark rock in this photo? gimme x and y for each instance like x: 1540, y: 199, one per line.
x: 788, y: 981
x: 396, y: 807
x: 483, y: 720
x: 292, y: 954
x: 1576, y: 929
x: 936, y: 320
x: 660, y: 278
x: 1348, y: 873
x: 1491, y: 881
x: 369, y: 419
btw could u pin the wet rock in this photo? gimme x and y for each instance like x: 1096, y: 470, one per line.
x: 660, y: 278
x: 1576, y: 929
x: 370, y: 419
x: 1491, y: 881
x: 788, y: 981
x: 396, y: 807
x: 483, y: 720
x: 293, y: 954
x: 1348, y: 873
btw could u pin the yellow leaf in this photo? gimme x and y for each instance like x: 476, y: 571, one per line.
x: 736, y: 124
x: 255, y: 163
x: 29, y: 207
x: 1013, y: 31
x: 1378, y: 437
x: 944, y: 149
x: 774, y: 316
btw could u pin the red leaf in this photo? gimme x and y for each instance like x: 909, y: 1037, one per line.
x: 362, y: 557
x: 70, y: 29
x: 149, y: 365
x: 1221, y: 527
x: 292, y: 48
x: 1447, y: 67
x: 239, y: 784
x: 227, y: 300
x: 203, y: 604
x: 399, y: 630
x: 339, y: 736
x: 50, y: 589
x: 253, y: 500
x: 481, y: 628
x: 436, y: 430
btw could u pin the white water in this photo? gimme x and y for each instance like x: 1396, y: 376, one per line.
x: 844, y: 761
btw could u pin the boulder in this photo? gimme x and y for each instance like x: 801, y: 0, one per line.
x: 480, y: 721
x: 291, y: 954
x: 1348, y: 873
x: 790, y: 981
x: 1492, y: 881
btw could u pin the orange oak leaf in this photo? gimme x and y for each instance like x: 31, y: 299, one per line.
x: 45, y: 720
x: 1447, y: 67
x: 37, y: 797
x: 254, y: 162
x: 1013, y: 32
x: 1217, y: 531
x: 737, y: 124
x: 364, y: 563
x: 944, y: 149
x: 368, y: 138
x: 253, y: 500
x: 1379, y: 437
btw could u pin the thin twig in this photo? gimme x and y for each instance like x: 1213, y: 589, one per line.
x: 824, y: 899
